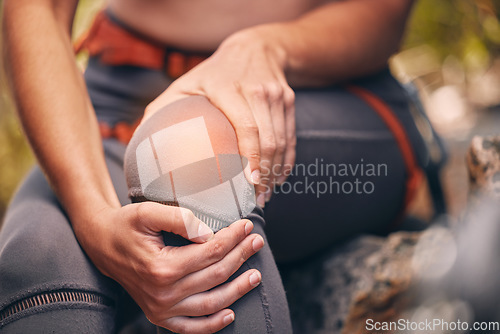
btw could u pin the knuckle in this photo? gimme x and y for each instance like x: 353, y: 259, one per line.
x: 257, y: 91
x: 249, y: 127
x: 216, y: 250
x: 254, y: 156
x: 220, y: 274
x: 274, y: 90
x: 155, y: 276
x: 269, y: 146
x: 280, y: 143
x: 245, y: 253
x: 289, y: 96
x: 241, y: 289
x: 165, y: 299
x: 209, y: 304
x: 159, y: 275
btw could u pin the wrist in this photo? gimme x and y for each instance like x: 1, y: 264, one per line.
x: 94, y: 233
x: 87, y: 218
x: 267, y: 39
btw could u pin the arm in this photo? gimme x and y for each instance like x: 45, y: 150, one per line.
x: 125, y: 243
x: 339, y: 41
x: 53, y: 105
x: 249, y: 76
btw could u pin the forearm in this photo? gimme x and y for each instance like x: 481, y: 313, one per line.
x: 338, y: 41
x: 53, y: 105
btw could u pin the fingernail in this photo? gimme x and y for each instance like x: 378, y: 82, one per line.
x: 204, y: 232
x: 261, y: 200
x: 248, y: 227
x: 257, y: 243
x: 255, y: 177
x: 229, y: 318
x: 255, y: 278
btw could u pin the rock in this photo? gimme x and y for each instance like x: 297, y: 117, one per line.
x: 474, y: 278
x: 367, y: 277
x: 408, y: 275
x: 483, y: 164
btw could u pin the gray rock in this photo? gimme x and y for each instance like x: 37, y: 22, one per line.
x: 367, y: 277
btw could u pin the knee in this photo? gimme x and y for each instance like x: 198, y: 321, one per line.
x: 187, y: 155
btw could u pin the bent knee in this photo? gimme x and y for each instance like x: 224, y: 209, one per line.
x: 187, y: 155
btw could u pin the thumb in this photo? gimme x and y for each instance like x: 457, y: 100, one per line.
x: 158, y: 217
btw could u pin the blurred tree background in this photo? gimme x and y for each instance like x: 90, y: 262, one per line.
x: 465, y: 29
x: 467, y: 32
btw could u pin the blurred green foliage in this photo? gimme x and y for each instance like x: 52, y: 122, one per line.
x: 15, y: 156
x: 466, y: 29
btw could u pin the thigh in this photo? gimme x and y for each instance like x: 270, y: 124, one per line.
x: 47, y: 283
x: 350, y: 175
x: 166, y: 162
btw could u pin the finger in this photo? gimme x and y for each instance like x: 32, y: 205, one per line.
x: 158, y: 217
x: 278, y: 115
x: 195, y: 257
x: 220, y: 271
x: 211, y: 324
x: 239, y: 115
x: 219, y: 298
x: 290, y: 132
x: 259, y: 104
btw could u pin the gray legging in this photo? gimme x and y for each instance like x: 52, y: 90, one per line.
x: 48, y: 284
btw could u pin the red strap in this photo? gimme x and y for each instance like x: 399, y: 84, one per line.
x: 413, y: 171
x: 117, y: 46
x: 122, y: 131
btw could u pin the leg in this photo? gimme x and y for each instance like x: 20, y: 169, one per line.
x: 47, y: 283
x: 184, y: 138
x: 350, y: 174
x: 265, y: 309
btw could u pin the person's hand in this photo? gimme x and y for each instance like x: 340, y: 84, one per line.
x: 245, y: 79
x: 174, y: 286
